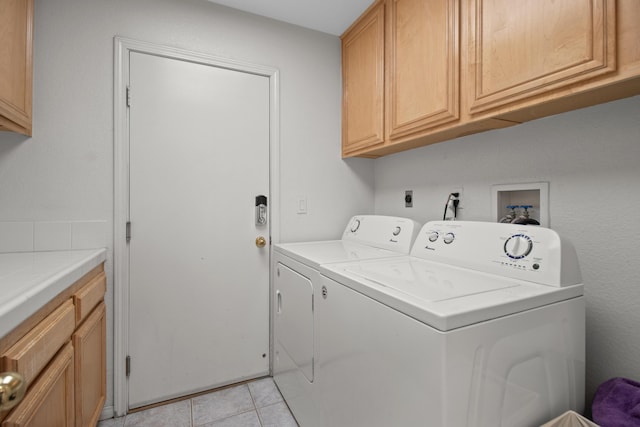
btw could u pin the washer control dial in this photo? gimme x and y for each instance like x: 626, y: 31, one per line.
x: 433, y: 236
x: 518, y: 246
x: 355, y: 225
x: 397, y: 231
x: 448, y: 238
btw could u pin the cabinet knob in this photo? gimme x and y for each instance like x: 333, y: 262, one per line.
x: 12, y: 388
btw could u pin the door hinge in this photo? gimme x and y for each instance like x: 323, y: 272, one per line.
x: 128, y: 96
x: 128, y: 231
x: 128, y: 366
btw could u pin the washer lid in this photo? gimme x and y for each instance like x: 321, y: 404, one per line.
x: 443, y: 296
x: 428, y: 282
x: 330, y: 251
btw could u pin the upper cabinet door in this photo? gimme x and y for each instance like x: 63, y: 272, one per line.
x: 363, y: 82
x: 526, y: 48
x: 16, y: 52
x: 423, y: 65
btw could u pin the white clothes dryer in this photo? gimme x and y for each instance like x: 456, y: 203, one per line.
x: 482, y: 325
x: 296, y: 283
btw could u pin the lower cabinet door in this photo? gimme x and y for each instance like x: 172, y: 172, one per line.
x: 89, y: 342
x: 49, y: 401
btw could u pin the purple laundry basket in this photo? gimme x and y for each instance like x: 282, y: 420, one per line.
x: 617, y: 403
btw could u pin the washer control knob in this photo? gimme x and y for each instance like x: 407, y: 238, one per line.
x: 518, y: 246
x: 433, y: 236
x: 397, y: 231
x: 449, y: 237
x: 355, y: 225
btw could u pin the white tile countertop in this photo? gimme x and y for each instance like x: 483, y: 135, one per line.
x: 28, y: 280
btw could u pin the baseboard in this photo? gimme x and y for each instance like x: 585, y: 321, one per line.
x: 107, y: 412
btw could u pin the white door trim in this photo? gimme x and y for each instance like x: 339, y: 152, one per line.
x: 122, y: 48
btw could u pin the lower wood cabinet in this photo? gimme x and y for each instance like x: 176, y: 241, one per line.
x: 90, y: 367
x: 61, y: 352
x: 49, y: 402
x: 34, y: 350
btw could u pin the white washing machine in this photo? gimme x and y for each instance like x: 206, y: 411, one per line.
x: 296, y: 283
x: 482, y: 325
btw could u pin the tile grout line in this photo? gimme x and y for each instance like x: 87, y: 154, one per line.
x: 191, y: 411
x: 255, y: 407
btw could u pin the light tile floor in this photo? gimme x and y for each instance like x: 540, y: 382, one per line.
x: 254, y: 404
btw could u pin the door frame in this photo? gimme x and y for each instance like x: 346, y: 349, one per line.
x: 122, y: 48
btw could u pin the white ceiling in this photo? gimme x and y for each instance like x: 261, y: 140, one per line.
x: 328, y: 16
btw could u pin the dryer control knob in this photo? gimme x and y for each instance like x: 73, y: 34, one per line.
x: 397, y: 231
x: 355, y: 225
x: 518, y: 246
x: 433, y: 236
x: 449, y: 237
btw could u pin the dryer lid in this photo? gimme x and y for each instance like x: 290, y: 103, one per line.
x: 314, y: 254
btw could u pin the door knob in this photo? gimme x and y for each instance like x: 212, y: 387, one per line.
x: 12, y: 388
x: 261, y: 241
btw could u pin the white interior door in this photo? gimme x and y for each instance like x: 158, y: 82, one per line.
x: 199, y: 285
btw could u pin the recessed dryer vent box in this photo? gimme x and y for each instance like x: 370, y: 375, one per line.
x: 534, y: 194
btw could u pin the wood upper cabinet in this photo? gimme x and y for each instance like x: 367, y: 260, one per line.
x: 423, y: 63
x: 363, y: 82
x: 520, y: 50
x: 457, y: 67
x: 16, y: 56
x: 401, y: 73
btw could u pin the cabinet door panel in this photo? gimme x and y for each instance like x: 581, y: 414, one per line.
x: 16, y: 33
x: 424, y: 64
x: 34, y: 351
x: 530, y: 47
x: 363, y: 82
x: 90, y: 368
x: 89, y: 296
x: 49, y: 402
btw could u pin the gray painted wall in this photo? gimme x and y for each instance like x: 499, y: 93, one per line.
x: 65, y: 171
x: 591, y: 159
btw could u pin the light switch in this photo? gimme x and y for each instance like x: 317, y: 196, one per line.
x: 302, y: 205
